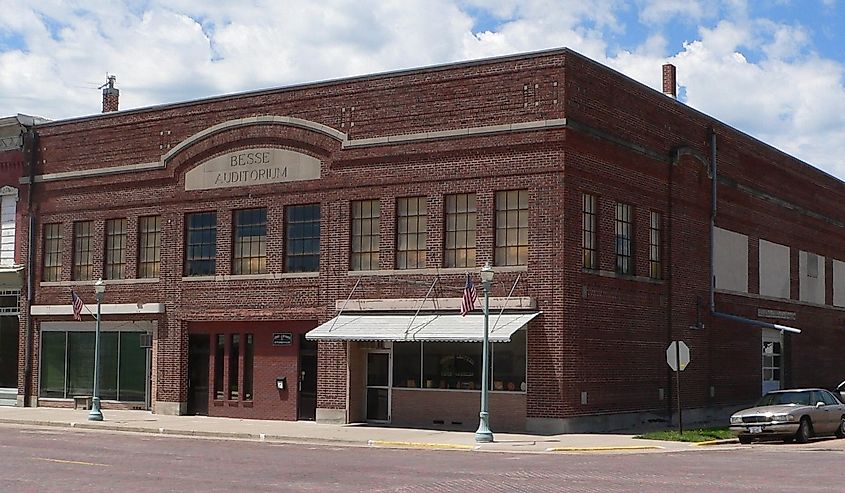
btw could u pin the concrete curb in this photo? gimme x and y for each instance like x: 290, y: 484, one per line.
x: 604, y: 449
x: 422, y: 445
x: 725, y: 441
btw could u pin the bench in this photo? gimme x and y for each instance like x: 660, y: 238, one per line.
x: 83, y: 401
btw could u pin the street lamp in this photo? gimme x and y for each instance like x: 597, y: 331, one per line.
x: 96, y: 414
x: 483, y: 434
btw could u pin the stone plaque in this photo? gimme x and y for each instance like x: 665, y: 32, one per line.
x: 778, y: 314
x: 248, y: 167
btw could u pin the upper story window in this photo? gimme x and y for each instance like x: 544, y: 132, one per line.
x: 83, y: 253
x: 411, y: 232
x: 149, y: 246
x: 365, y: 235
x: 588, y: 231
x: 52, y: 252
x: 116, y: 233
x: 8, y: 208
x: 302, y: 234
x: 512, y: 227
x: 655, y: 262
x: 624, y: 239
x: 460, y: 231
x: 200, y: 243
x: 250, y: 238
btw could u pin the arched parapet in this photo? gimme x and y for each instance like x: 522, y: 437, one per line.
x: 251, y: 121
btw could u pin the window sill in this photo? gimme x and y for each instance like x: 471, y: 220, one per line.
x: 616, y: 275
x: 434, y: 271
x: 65, y: 284
x: 252, y: 277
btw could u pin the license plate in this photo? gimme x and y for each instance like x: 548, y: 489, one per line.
x: 755, y: 429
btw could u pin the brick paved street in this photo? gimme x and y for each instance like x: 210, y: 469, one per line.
x: 47, y: 459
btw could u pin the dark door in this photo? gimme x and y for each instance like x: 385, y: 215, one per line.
x: 307, y: 379
x: 198, y: 351
x: 9, y: 351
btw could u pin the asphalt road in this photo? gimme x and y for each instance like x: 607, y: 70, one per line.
x: 58, y: 459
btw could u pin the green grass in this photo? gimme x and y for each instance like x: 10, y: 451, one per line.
x: 698, y: 435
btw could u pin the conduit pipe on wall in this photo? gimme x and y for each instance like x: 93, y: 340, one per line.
x: 30, y: 146
x: 713, y: 210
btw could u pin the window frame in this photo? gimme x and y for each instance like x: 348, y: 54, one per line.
x: 191, y: 262
x: 296, y: 254
x: 509, y: 236
x: 655, y: 250
x: 149, y: 269
x: 51, y: 270
x: 589, y: 221
x: 83, y: 251
x: 624, y: 239
x: 242, y: 264
x: 409, y: 253
x: 453, y: 236
x: 114, y: 258
x: 357, y: 253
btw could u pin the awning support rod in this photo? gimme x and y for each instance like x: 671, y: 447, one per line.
x: 411, y: 323
x: 344, y: 304
x: 757, y: 323
x: 505, y: 305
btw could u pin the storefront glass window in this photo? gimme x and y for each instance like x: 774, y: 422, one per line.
x: 406, y: 364
x: 234, y: 352
x: 67, y: 365
x: 219, y: 355
x: 249, y: 354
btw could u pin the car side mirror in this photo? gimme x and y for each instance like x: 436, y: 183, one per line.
x: 819, y: 404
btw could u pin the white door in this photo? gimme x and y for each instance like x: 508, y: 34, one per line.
x: 379, y: 381
x: 772, y: 359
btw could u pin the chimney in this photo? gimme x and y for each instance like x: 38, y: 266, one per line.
x: 669, y: 82
x: 110, y: 94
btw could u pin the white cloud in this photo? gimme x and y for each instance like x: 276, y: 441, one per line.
x: 758, y: 75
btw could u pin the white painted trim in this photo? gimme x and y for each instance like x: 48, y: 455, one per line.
x: 412, y: 304
x: 306, y: 124
x: 148, y: 326
x: 106, y: 309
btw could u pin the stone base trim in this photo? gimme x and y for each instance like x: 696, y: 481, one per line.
x: 631, y: 422
x: 331, y: 416
x: 170, y: 408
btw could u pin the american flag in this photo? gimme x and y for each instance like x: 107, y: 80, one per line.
x: 468, y: 302
x: 78, y: 305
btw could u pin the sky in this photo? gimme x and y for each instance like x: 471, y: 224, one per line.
x: 774, y: 69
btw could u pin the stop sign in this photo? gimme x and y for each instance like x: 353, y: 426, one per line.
x: 677, y: 355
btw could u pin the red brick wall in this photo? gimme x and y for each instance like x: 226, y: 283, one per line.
x: 456, y: 409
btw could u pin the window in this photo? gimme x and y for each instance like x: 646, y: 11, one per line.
x: 52, y: 252
x: 302, y: 252
x: 588, y: 229
x: 250, y: 237
x: 249, y: 358
x: 365, y: 235
x: 219, y: 359
x: 149, y: 246
x: 200, y: 244
x: 654, y: 253
x: 234, y: 353
x: 457, y: 365
x: 411, y: 232
x: 624, y: 264
x: 83, y: 255
x: 460, y: 230
x: 512, y: 227
x: 116, y: 234
x: 67, y: 365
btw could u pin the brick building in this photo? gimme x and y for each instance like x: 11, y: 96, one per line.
x: 301, y: 253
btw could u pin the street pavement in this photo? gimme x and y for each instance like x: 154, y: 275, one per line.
x: 347, y: 435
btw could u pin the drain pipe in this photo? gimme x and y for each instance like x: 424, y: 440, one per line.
x: 32, y: 147
x: 713, y: 170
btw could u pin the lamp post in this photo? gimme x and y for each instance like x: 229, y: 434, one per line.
x: 96, y: 414
x: 483, y: 434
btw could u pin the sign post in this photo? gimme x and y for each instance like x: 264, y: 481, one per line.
x: 677, y: 356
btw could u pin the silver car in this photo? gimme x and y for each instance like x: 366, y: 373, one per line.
x: 796, y: 414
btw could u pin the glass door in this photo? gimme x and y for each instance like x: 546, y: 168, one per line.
x: 772, y: 360
x: 378, y: 386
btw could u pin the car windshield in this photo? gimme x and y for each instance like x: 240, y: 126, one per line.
x: 780, y: 398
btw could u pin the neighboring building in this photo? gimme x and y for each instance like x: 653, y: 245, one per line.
x: 13, y: 165
x: 300, y: 253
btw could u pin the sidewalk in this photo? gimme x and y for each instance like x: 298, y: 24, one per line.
x: 343, y: 435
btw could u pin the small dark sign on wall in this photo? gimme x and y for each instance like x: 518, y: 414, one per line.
x: 282, y: 338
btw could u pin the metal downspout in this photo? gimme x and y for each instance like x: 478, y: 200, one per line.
x: 713, y: 168
x: 31, y: 146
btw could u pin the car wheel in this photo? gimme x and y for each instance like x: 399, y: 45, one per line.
x: 840, y: 431
x: 744, y: 440
x: 804, y: 431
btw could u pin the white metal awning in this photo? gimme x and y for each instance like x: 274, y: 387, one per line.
x: 406, y: 328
